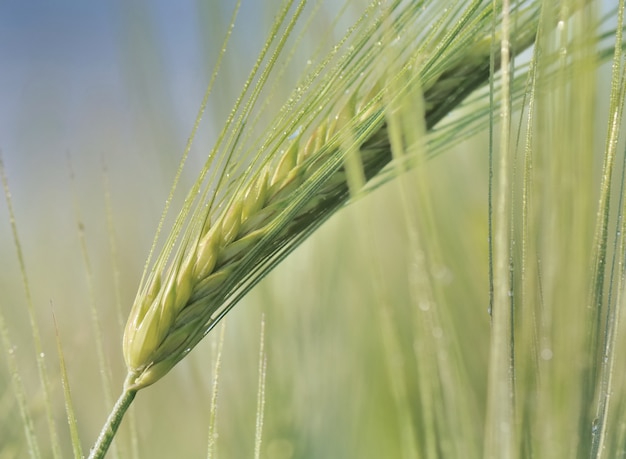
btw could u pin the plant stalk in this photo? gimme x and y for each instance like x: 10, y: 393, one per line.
x: 113, y: 422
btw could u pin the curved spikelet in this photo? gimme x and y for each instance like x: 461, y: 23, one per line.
x: 178, y: 308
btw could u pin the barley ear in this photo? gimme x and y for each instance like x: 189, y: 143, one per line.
x: 252, y: 226
x: 225, y: 250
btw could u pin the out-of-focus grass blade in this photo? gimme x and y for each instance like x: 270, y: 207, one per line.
x: 551, y: 254
x: 103, y: 365
x: 500, y: 422
x: 9, y: 348
x: 609, y: 383
x: 260, y: 406
x: 211, y: 445
x: 69, y: 406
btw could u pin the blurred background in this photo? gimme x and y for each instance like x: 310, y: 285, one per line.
x: 97, y: 100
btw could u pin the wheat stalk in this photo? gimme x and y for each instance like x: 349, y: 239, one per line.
x: 270, y: 214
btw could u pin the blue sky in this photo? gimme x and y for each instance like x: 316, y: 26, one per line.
x: 77, y: 75
x: 114, y: 81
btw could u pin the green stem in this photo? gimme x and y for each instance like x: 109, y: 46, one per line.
x: 113, y: 422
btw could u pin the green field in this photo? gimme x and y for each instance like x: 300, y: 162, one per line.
x: 465, y: 303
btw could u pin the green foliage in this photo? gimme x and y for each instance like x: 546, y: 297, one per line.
x: 468, y: 305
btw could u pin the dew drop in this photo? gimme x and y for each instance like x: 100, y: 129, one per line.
x: 546, y: 354
x: 595, y: 426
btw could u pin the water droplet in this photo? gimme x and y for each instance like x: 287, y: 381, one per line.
x: 595, y: 426
x: 42, y: 355
x: 296, y: 133
x: 546, y: 354
x: 444, y: 275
